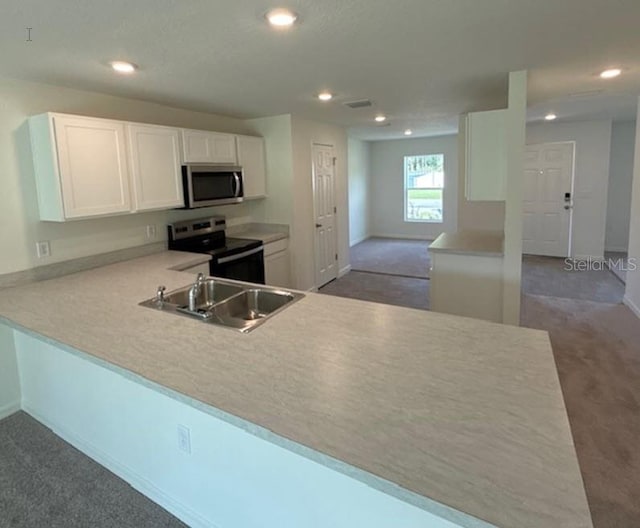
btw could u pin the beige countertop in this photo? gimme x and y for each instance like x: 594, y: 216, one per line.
x: 431, y: 408
x: 266, y: 232
x: 468, y: 242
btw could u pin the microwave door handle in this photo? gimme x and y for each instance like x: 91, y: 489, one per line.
x: 236, y: 178
x: 233, y: 258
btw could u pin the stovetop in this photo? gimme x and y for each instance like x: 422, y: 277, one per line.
x: 233, y: 246
x: 217, y: 246
x: 207, y: 235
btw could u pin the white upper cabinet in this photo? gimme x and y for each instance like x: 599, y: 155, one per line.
x: 80, y: 165
x: 201, y: 146
x: 252, y: 160
x: 87, y: 167
x: 486, y: 155
x: 154, y: 154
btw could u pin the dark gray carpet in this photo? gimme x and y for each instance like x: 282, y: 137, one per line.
x: 392, y: 256
x: 386, y: 289
x: 547, y: 276
x: 45, y: 482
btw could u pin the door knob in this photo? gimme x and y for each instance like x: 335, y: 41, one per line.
x: 318, y: 225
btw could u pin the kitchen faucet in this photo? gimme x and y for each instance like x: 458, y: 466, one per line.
x: 194, y: 291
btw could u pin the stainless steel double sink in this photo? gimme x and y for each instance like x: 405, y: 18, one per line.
x: 226, y: 303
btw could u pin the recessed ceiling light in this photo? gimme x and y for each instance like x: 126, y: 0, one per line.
x: 551, y: 117
x: 123, y: 67
x: 408, y: 132
x: 325, y: 96
x: 381, y: 118
x: 281, y: 17
x: 610, y: 74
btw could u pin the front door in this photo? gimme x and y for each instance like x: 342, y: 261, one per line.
x: 326, y: 257
x: 548, y: 199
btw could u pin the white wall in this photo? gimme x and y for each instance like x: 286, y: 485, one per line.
x: 593, y: 147
x: 20, y: 227
x: 623, y: 142
x: 9, y: 383
x: 305, y: 133
x: 632, y: 294
x: 387, y: 186
x: 359, y: 190
x: 278, y: 208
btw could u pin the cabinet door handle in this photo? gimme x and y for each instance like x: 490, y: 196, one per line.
x: 318, y: 225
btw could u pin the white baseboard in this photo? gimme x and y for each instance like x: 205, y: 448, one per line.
x: 617, y: 249
x: 144, y: 486
x: 358, y: 240
x: 632, y: 306
x: 406, y: 237
x: 344, y: 271
x: 9, y: 409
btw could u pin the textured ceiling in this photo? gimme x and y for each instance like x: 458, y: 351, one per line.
x: 422, y: 62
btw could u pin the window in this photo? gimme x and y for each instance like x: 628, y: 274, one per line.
x: 423, y: 188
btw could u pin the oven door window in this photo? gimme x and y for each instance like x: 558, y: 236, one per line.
x: 249, y: 268
x: 213, y: 185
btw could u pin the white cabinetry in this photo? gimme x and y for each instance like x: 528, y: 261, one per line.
x: 154, y: 153
x: 87, y: 167
x: 201, y: 146
x: 277, y: 266
x: 80, y: 166
x: 486, y: 155
x: 252, y: 160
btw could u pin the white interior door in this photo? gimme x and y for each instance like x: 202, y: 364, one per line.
x: 324, y: 208
x: 548, y: 199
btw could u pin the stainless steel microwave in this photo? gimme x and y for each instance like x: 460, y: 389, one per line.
x: 207, y: 185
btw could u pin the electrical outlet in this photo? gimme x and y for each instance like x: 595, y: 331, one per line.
x: 150, y: 232
x: 184, y: 439
x: 43, y: 249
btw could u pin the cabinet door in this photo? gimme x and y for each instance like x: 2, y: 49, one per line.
x: 277, y: 269
x: 486, y: 156
x: 223, y: 147
x: 92, y: 161
x: 155, y: 167
x: 252, y: 160
x: 201, y: 146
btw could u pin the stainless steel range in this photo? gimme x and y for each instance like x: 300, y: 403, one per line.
x: 232, y: 258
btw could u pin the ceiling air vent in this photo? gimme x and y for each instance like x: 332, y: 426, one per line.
x: 364, y: 103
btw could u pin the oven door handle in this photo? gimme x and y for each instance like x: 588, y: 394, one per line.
x: 236, y: 178
x: 232, y: 258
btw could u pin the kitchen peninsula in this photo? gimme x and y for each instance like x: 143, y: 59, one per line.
x: 335, y: 412
x: 467, y: 274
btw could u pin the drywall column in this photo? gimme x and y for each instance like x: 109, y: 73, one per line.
x: 359, y: 168
x: 632, y: 294
x: 516, y: 122
x: 9, y: 381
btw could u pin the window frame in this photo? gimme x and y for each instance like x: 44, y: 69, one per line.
x: 407, y: 189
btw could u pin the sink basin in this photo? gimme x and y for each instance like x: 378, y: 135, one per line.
x: 212, y: 291
x: 254, y: 304
x: 227, y: 304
